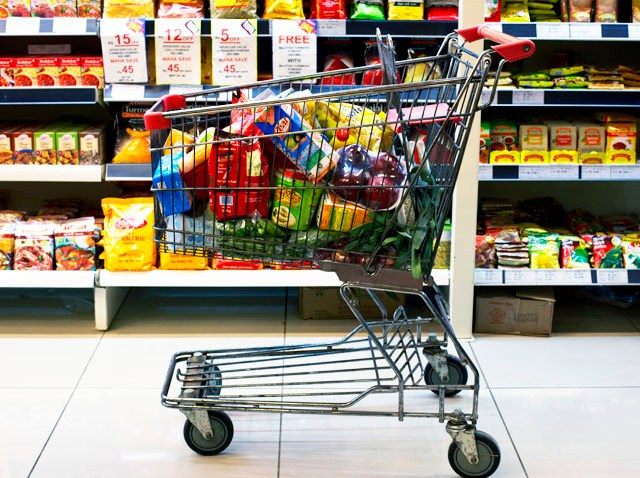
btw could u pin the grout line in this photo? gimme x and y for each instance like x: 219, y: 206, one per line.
x: 504, y: 423
x: 55, y: 425
x: 284, y: 341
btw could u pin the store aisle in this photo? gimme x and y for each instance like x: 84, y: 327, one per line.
x: 77, y: 403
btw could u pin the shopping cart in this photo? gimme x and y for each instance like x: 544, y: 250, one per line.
x: 350, y: 171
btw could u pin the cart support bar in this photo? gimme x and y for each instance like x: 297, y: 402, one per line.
x: 509, y: 47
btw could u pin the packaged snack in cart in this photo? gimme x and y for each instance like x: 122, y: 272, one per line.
x: 283, y: 9
x: 295, y: 200
x: 7, y: 239
x: 75, y: 248
x: 328, y: 9
x: 239, y: 9
x: 33, y: 246
x: 335, y: 214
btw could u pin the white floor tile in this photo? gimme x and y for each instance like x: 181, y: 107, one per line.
x: 27, y: 417
x: 509, y: 361
x: 574, y: 432
x: 127, y: 433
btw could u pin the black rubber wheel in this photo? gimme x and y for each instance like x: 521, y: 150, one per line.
x: 457, y: 375
x: 488, y: 454
x: 215, y: 383
x: 222, y: 435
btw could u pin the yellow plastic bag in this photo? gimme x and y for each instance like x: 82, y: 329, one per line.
x: 129, y: 9
x: 286, y: 9
x: 403, y: 10
x: 128, y: 234
x: 134, y: 148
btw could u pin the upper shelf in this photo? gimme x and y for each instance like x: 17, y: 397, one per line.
x: 50, y: 95
x: 559, y: 97
x: 559, y: 172
x: 572, y: 31
x: 18, y: 26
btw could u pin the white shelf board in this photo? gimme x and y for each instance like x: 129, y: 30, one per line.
x: 231, y: 278
x: 83, y: 173
x: 47, y: 279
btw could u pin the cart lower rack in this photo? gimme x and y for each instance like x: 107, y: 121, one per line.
x: 309, y: 172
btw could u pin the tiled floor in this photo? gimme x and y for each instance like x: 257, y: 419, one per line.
x: 79, y: 403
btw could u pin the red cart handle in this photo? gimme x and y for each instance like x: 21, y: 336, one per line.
x: 509, y: 47
x: 154, y: 119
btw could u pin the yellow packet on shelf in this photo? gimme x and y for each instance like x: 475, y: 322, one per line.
x: 128, y: 236
x: 283, y: 9
x: 135, y: 149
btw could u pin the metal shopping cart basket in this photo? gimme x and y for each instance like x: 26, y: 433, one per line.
x: 350, y: 171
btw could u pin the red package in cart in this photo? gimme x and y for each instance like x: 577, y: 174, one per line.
x: 328, y: 9
x: 234, y: 166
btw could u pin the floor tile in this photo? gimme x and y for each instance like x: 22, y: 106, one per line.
x: 348, y: 446
x: 557, y: 361
x: 27, y: 417
x: 574, y: 432
x: 127, y: 433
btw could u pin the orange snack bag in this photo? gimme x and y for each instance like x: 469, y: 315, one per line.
x: 128, y: 234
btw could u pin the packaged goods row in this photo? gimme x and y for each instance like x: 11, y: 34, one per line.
x: 538, y: 234
x: 269, y: 9
x: 602, y: 138
x: 60, y: 143
x: 599, y: 11
x: 52, y: 71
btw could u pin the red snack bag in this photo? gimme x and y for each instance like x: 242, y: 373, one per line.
x: 335, y: 62
x: 607, y: 252
x: 371, y: 57
x: 328, y: 9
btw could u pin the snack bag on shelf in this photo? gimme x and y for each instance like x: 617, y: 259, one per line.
x: 607, y: 252
x: 33, y: 249
x: 329, y: 9
x: 580, y: 10
x: 544, y: 251
x: 338, y: 61
x: 635, y: 14
x: 371, y: 57
x: 574, y: 254
x: 631, y: 253
x: 7, y: 240
x: 180, y: 8
x: 129, y: 9
x: 218, y: 263
x: 606, y: 11
x: 128, y: 234
x: 9, y: 215
x: 403, y: 10
x: 132, y: 140
x: 75, y: 248
x: 485, y: 252
x: 515, y: 12
x: 239, y: 9
x: 6, y: 144
x: 367, y: 10
x: 284, y: 9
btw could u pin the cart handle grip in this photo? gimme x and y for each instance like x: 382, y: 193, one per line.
x: 155, y: 120
x: 509, y: 47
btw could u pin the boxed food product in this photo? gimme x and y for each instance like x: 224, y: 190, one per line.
x: 7, y: 65
x: 25, y: 72
x: 337, y: 215
x: 92, y: 71
x: 6, y: 144
x: 7, y: 239
x: 67, y: 145
x: 47, y: 71
x: 75, y: 248
x: 69, y: 71
x: 591, y: 143
x: 485, y: 141
x: 44, y: 145
x: 19, y: 8
x: 562, y: 136
x: 504, y: 142
x: 22, y: 140
x: 89, y: 8
x: 563, y: 156
x: 326, y: 303
x: 93, y: 143
x: 178, y: 262
x: 621, y: 142
x: 33, y: 249
x: 534, y: 137
x: 504, y: 157
x: 42, y: 8
x: 4, y: 8
x: 636, y: 11
x: 525, y: 311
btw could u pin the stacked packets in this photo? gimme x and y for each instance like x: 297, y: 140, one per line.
x: 527, y: 11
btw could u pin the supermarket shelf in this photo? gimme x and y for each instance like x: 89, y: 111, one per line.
x: 152, y: 93
x: 572, y: 31
x: 562, y: 172
x: 231, y: 278
x: 128, y: 172
x: 351, y: 28
x: 558, y: 97
x: 17, y: 26
x: 50, y: 95
x: 51, y: 173
x: 47, y: 279
x: 556, y: 277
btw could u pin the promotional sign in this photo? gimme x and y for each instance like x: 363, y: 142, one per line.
x: 294, y: 47
x: 178, y: 54
x: 235, y: 51
x: 124, y: 50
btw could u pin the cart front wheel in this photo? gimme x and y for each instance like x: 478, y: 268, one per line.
x: 222, y: 427
x: 457, y: 375
x: 488, y: 458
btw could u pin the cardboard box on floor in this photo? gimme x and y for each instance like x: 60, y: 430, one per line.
x: 527, y: 311
x: 327, y: 303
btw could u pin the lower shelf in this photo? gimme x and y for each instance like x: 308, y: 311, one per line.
x: 47, y: 279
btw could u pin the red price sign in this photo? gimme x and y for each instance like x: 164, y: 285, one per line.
x: 178, y: 51
x: 123, y: 50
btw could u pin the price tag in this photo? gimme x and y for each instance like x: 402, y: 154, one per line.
x: 531, y: 172
x: 22, y: 26
x: 528, y: 97
x: 332, y: 28
x: 127, y: 92
x: 548, y: 276
x: 563, y: 172
x: 520, y: 277
x: 123, y: 50
x: 69, y: 26
x: 235, y: 51
x: 576, y: 277
x: 488, y: 277
x: 184, y: 90
x: 634, y: 30
x: 485, y: 96
x: 612, y: 276
x: 497, y: 26
x: 177, y: 51
x: 630, y: 171
x: 552, y: 30
x: 294, y: 47
x: 585, y: 31
x: 485, y: 172
x: 596, y: 171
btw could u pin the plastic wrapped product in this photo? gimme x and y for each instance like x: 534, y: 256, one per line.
x: 239, y: 9
x: 75, y: 248
x: 607, y: 252
x: 181, y: 9
x: 129, y: 9
x: 606, y: 11
x: 7, y: 239
x: 367, y: 10
x: 329, y: 9
x: 580, y: 10
x: 636, y: 11
x: 631, y: 251
x: 284, y: 9
x: 574, y: 254
x: 406, y: 10
x: 544, y: 251
x: 132, y: 140
x: 33, y: 249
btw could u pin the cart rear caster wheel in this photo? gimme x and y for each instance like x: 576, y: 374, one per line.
x: 488, y: 454
x: 222, y: 427
x: 214, y: 383
x: 457, y: 375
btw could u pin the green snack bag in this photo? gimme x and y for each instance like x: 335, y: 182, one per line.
x: 368, y: 10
